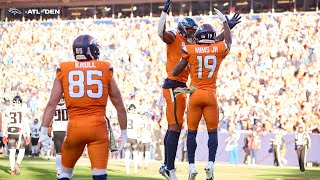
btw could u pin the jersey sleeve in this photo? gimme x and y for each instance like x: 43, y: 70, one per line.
x: 174, y: 32
x: 110, y: 71
x: 59, y: 72
x: 184, y: 52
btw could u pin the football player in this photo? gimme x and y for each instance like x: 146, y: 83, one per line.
x: 86, y: 84
x: 17, y: 133
x: 145, y: 140
x: 59, y: 128
x: 35, y: 130
x: 133, y: 136
x: 176, y: 104
x: 204, y: 59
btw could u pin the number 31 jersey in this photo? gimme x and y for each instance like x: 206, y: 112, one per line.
x: 85, y: 85
x: 15, y: 120
x: 60, y: 119
x: 204, y: 60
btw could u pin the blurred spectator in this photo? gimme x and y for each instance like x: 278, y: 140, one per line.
x: 233, y: 146
x: 254, y: 145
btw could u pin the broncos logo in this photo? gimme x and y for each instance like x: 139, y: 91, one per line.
x: 14, y: 11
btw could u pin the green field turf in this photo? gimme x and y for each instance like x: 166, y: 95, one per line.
x: 40, y: 169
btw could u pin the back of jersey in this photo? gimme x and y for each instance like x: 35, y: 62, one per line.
x: 60, y: 120
x: 15, y: 120
x: 85, y: 87
x: 204, y: 60
x: 146, y: 125
x: 133, y: 125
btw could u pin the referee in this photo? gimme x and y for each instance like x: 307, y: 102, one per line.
x: 302, y: 143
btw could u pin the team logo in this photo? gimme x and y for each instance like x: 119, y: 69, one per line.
x: 14, y: 11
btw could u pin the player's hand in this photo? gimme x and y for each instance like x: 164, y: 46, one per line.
x: 43, y: 134
x: 220, y: 15
x: 167, y: 6
x: 234, y: 20
x: 123, y: 142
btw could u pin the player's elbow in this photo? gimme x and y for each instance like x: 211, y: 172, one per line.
x: 175, y: 72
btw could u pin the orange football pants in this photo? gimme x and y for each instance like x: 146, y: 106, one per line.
x: 77, y: 137
x: 175, y: 106
x: 203, y: 102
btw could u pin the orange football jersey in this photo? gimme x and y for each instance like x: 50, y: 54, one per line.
x: 204, y: 60
x: 174, y: 56
x: 85, y: 85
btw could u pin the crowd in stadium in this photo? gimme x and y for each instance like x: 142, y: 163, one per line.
x: 269, y: 79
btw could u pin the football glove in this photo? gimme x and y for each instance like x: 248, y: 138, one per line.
x: 180, y: 90
x: 167, y: 6
x: 123, y: 141
x: 234, y: 20
x: 43, y: 134
x: 220, y: 15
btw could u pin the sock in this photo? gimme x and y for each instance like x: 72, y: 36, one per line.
x: 20, y: 155
x: 36, y: 149
x: 191, y: 145
x: 213, y: 145
x: 135, y: 161
x: 65, y: 173
x: 165, y: 148
x: 127, y: 160
x: 140, y: 158
x: 172, y: 145
x: 58, y: 163
x: 32, y: 150
x: 99, y: 177
x: 12, y: 158
x: 146, y: 159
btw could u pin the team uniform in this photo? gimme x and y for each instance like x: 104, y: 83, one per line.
x: 145, y: 140
x: 204, y: 59
x: 85, y: 86
x: 204, y: 63
x: 132, y: 145
x: 176, y: 104
x: 59, y: 127
x: 17, y: 132
x: 34, y: 129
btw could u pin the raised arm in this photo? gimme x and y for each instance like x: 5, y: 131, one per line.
x: 227, y: 32
x: 231, y: 22
x: 167, y: 37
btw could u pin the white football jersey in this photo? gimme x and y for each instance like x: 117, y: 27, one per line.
x: 60, y: 120
x: 16, y: 120
x: 133, y: 125
x: 34, y: 129
x: 146, y: 125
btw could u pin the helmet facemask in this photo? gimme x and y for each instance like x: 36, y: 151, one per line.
x: 190, y: 35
